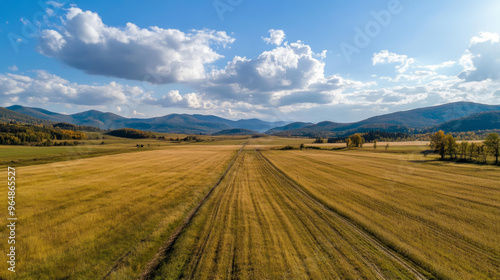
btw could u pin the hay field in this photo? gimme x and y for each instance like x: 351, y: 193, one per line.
x: 297, y: 214
x: 80, y: 218
x: 443, y: 216
x: 259, y: 224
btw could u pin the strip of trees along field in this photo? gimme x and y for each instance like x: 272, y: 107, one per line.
x: 446, y: 145
x: 39, y: 135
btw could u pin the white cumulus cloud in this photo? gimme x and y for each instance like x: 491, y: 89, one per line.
x: 174, y: 99
x: 481, y: 60
x: 386, y: 57
x: 45, y: 87
x: 276, y: 37
x: 291, y: 72
x: 153, y: 54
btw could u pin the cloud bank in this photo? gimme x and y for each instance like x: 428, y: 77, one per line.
x: 44, y: 87
x: 481, y: 60
x: 154, y: 54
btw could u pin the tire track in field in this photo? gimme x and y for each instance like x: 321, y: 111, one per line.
x: 302, y: 240
x: 437, y: 230
x: 413, y: 268
x: 327, y: 221
x: 284, y: 221
x: 155, y: 263
x: 121, y: 259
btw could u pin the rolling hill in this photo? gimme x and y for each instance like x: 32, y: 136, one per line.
x: 7, y: 115
x: 173, y: 123
x: 290, y: 126
x: 458, y: 116
x: 404, y: 121
x: 41, y: 114
x: 236, y: 131
x: 481, y: 121
x: 430, y: 116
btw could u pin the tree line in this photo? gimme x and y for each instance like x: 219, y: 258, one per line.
x: 23, y: 134
x: 189, y: 138
x: 460, y: 136
x: 371, y: 136
x: 446, y: 145
x: 131, y: 133
x: 74, y: 127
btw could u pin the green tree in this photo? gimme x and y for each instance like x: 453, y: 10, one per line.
x: 387, y: 146
x: 348, y: 143
x: 357, y: 140
x: 302, y: 146
x: 320, y: 140
x: 438, y: 143
x: 493, y: 143
x: 479, y: 151
x: 472, y: 150
x: 483, y: 152
x: 462, y: 150
x: 450, y: 146
x: 374, y: 144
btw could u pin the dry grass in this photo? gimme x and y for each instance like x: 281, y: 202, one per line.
x: 259, y: 225
x: 443, y: 216
x: 266, y: 220
x: 32, y: 155
x: 77, y: 218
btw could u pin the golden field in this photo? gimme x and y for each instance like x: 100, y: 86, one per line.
x: 259, y: 225
x: 272, y: 214
x: 78, y: 218
x: 443, y: 216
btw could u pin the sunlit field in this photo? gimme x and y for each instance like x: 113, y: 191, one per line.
x: 443, y: 216
x: 332, y: 213
x: 260, y: 225
x: 80, y: 218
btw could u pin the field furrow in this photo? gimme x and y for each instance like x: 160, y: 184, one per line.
x: 80, y: 219
x: 447, y: 224
x: 259, y: 225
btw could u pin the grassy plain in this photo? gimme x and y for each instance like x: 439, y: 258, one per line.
x: 30, y: 155
x: 260, y: 225
x: 299, y: 214
x: 78, y: 218
x: 441, y: 215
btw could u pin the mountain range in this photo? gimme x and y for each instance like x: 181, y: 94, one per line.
x: 445, y: 117
x: 480, y: 121
x: 451, y: 117
x: 173, y: 123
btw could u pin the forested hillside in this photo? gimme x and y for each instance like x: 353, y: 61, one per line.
x: 22, y: 134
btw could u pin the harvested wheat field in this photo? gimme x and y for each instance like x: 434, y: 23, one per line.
x: 82, y: 219
x: 237, y: 212
x: 260, y: 224
x: 444, y: 217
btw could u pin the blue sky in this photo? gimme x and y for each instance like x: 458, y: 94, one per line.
x: 275, y: 60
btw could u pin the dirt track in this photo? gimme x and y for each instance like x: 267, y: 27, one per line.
x: 259, y: 223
